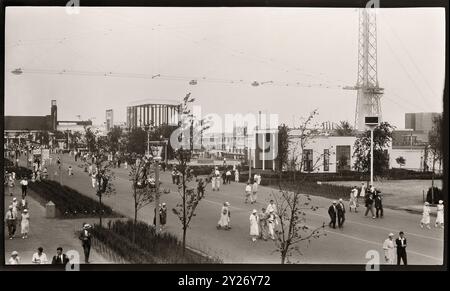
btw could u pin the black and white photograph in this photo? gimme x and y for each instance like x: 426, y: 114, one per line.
x: 155, y: 136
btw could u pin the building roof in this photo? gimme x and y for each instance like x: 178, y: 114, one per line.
x: 155, y: 102
x: 27, y: 123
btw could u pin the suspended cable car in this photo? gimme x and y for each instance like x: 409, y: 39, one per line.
x: 193, y: 82
x: 17, y: 71
x: 255, y: 84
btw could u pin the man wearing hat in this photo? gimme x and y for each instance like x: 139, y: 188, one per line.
x: 163, y: 215
x: 425, y: 215
x: 332, y: 211
x: 15, y: 259
x: 10, y: 220
x: 341, y: 213
x: 85, y: 237
x: 60, y: 258
x: 389, y: 249
x: 440, y: 215
x: 401, y: 248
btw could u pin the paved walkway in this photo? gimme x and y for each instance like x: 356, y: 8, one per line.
x: 48, y: 233
x: 347, y: 246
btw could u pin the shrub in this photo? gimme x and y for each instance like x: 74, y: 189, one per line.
x: 149, y: 247
x: 437, y: 193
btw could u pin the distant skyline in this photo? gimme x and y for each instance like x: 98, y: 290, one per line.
x: 306, y: 49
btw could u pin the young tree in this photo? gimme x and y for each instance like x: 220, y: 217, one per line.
x: 291, y: 205
x: 99, y: 148
x: 306, y: 131
x: 142, y: 178
x: 137, y: 140
x: 400, y: 161
x: 382, y: 136
x: 190, y: 196
x: 282, y: 158
x: 344, y: 129
x: 292, y: 227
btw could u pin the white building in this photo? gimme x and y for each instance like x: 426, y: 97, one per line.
x: 322, y: 154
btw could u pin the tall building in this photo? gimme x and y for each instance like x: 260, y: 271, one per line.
x: 109, y: 119
x: 153, y: 112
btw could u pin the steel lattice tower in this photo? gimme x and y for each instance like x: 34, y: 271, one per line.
x: 369, y: 93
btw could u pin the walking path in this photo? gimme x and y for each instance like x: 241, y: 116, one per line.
x: 48, y: 233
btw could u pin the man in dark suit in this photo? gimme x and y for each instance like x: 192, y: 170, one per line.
x: 332, y: 211
x: 85, y: 237
x: 341, y: 213
x: 60, y: 258
x: 378, y: 203
x: 401, y: 248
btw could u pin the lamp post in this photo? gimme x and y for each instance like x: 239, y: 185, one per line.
x: 371, y: 156
x: 156, y: 160
x: 372, y: 122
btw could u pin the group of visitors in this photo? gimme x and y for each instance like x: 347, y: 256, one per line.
x: 439, y: 222
x: 40, y: 258
x: 392, y: 248
x: 264, y: 225
x: 18, y: 213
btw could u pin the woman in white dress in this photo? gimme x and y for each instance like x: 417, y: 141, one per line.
x: 425, y: 216
x: 353, y: 204
x: 224, y: 221
x: 440, y: 215
x: 236, y: 175
x: 389, y: 249
x: 254, y: 225
x: 25, y: 224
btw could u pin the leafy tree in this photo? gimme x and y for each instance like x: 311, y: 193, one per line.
x: 114, y: 136
x: 283, y: 148
x: 293, y: 230
x: 137, y: 141
x: 382, y: 137
x: 435, y: 146
x: 400, y: 161
x: 291, y: 205
x: 43, y: 137
x: 99, y: 148
x: 344, y: 129
x: 190, y: 196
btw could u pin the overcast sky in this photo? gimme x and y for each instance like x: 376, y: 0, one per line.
x: 316, y: 47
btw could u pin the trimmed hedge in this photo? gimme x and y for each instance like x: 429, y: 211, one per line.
x: 330, y: 191
x: 271, y: 177
x: 149, y: 247
x: 20, y: 171
x: 438, y: 194
x: 69, y: 203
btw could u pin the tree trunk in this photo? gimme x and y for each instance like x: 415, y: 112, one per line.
x: 101, y: 208
x: 184, y: 240
x: 184, y: 216
x: 432, y: 182
x: 135, y: 218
